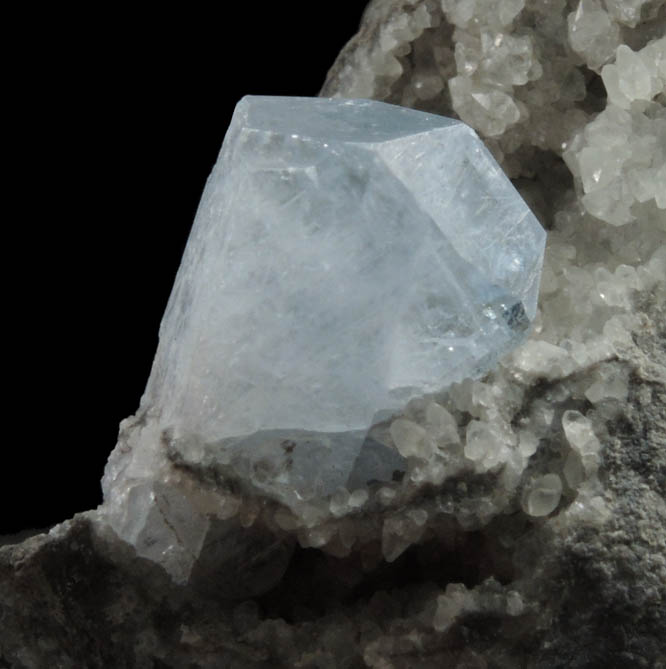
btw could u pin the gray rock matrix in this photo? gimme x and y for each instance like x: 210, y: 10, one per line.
x: 526, y: 525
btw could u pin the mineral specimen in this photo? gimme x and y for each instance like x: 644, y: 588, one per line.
x: 346, y: 257
x: 524, y: 525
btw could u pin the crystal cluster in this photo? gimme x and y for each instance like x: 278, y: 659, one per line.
x: 620, y: 156
x: 530, y: 78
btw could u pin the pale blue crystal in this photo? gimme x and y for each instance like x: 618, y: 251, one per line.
x: 347, y: 255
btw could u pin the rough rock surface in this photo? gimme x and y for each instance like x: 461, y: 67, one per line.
x: 526, y: 526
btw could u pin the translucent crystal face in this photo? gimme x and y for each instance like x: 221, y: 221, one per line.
x: 346, y: 256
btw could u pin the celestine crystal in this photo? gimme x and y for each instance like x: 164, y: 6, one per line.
x: 347, y: 256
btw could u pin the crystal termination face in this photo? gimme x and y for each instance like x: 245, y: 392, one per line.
x: 346, y: 256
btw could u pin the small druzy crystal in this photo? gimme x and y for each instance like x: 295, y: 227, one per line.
x: 347, y: 255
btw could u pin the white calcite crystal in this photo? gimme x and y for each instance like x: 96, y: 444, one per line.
x: 620, y: 156
x: 346, y: 257
x: 544, y: 495
x: 488, y: 598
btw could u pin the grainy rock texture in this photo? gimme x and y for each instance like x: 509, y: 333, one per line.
x: 526, y: 522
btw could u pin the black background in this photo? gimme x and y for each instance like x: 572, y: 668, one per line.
x: 117, y: 119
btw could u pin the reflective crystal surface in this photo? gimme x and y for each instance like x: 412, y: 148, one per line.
x: 347, y: 255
